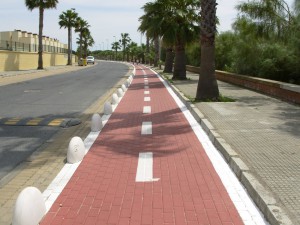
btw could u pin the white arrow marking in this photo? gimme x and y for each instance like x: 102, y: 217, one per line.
x: 144, y: 171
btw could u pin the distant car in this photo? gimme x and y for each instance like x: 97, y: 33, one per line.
x: 90, y: 59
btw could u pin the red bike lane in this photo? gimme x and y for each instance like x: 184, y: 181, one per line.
x: 147, y: 166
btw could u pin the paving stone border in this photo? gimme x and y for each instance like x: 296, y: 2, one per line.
x: 259, y: 194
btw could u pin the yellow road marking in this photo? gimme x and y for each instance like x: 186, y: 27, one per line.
x: 12, y: 121
x: 56, y: 122
x: 34, y: 121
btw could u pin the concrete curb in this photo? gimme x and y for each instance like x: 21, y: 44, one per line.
x: 263, y: 199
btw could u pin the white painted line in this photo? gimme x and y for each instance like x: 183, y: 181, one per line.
x: 144, y: 172
x: 146, y: 87
x: 145, y: 79
x: 146, y: 92
x: 147, y: 99
x: 146, y: 128
x: 250, y: 214
x: 147, y: 109
x: 146, y: 82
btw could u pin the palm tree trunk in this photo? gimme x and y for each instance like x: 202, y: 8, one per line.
x: 41, y: 24
x: 179, y: 72
x: 69, y: 46
x: 169, y: 60
x: 123, y: 52
x: 147, y: 49
x: 156, y: 49
x: 207, y: 85
x: 80, y: 46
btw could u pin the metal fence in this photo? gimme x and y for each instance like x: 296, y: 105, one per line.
x: 22, y: 47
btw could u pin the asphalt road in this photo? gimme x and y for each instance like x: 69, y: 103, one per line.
x: 64, y: 95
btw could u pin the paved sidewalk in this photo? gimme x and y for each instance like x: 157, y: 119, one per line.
x: 260, y: 138
x: 147, y: 166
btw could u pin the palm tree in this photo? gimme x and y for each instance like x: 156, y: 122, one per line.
x: 68, y: 20
x: 125, y: 40
x: 271, y: 18
x: 169, y: 59
x: 81, y: 27
x: 150, y: 24
x: 115, y: 46
x: 87, y: 40
x: 41, y: 5
x: 133, y: 51
x: 207, y: 85
x: 177, y: 22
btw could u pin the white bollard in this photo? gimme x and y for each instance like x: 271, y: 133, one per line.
x: 120, y: 92
x: 115, y: 99
x: 30, y: 207
x: 96, y: 124
x: 127, y: 83
x: 124, y: 87
x: 76, y: 150
x: 107, y: 108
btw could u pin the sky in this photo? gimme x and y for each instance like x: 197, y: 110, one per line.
x: 107, y: 19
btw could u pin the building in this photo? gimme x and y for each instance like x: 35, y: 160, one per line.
x: 18, y: 40
x: 19, y: 51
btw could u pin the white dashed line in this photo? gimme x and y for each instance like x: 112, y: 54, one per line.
x: 146, y: 128
x: 146, y: 92
x: 144, y: 172
x: 147, y: 109
x: 147, y: 99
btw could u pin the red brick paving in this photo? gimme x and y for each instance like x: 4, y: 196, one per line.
x: 103, y: 188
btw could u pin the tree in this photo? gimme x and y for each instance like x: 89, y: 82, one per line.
x: 207, y: 85
x: 87, y: 40
x: 125, y: 40
x: 150, y: 24
x: 68, y: 20
x: 133, y: 51
x: 81, y: 27
x: 177, y: 22
x: 41, y: 5
x: 115, y: 46
x: 270, y: 18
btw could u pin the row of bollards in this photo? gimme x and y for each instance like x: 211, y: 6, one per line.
x: 30, y: 205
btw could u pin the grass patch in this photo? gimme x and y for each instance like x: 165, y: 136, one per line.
x: 221, y: 98
x: 167, y: 76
